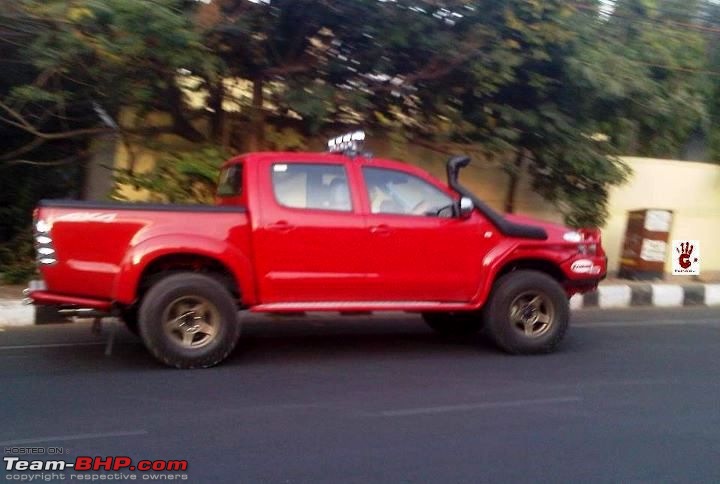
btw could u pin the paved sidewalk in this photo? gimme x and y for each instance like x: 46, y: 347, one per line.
x: 613, y: 293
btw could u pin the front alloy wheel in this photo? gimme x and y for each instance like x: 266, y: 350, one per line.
x: 532, y: 313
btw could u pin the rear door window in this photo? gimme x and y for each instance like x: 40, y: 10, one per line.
x: 311, y: 186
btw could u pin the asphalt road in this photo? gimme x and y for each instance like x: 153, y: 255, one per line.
x: 633, y: 396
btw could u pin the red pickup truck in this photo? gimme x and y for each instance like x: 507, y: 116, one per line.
x: 299, y: 232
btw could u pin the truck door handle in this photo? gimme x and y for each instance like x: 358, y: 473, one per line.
x: 380, y: 229
x: 281, y: 226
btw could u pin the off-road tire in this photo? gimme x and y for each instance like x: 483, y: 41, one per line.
x: 153, y: 320
x: 500, y: 324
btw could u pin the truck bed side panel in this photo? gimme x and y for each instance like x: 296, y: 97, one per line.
x: 92, y: 240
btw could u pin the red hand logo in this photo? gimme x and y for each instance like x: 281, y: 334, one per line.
x: 684, y: 259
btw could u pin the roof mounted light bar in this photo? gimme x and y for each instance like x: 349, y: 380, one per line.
x: 349, y: 142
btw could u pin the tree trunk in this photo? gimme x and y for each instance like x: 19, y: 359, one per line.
x: 513, y: 182
x: 217, y: 121
x: 181, y: 125
x: 257, y: 138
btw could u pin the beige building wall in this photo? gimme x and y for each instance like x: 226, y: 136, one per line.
x: 140, y: 157
x: 691, y: 190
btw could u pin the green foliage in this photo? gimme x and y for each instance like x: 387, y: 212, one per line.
x: 539, y: 83
x: 285, y: 139
x: 17, y: 258
x: 523, y: 96
x: 60, y: 60
x: 20, y: 188
x: 120, y: 52
x: 177, y: 177
x: 711, y: 23
x: 81, y: 55
x: 627, y: 65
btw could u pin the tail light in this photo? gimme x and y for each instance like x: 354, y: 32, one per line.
x: 43, y: 242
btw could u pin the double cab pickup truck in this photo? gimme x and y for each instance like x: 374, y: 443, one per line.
x: 302, y: 232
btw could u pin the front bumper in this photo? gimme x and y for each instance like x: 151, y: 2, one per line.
x: 33, y: 287
x: 583, y: 273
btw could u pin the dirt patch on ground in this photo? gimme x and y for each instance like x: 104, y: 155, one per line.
x: 11, y: 292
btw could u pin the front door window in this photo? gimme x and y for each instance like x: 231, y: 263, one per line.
x: 395, y: 192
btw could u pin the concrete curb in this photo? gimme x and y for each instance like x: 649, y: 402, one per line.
x: 14, y: 313
x: 648, y: 294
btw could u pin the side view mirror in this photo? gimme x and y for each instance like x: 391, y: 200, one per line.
x: 465, y: 208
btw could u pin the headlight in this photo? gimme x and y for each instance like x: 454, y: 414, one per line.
x: 573, y: 236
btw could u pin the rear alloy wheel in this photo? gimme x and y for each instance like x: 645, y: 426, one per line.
x: 189, y: 320
x: 527, y: 313
x: 454, y: 325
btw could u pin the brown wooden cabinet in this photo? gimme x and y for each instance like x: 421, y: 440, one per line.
x: 646, y: 244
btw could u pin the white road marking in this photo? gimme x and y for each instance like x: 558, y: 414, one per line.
x: 53, y: 345
x: 259, y: 407
x: 475, y: 406
x: 64, y: 438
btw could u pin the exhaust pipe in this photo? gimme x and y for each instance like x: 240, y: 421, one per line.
x: 83, y: 313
